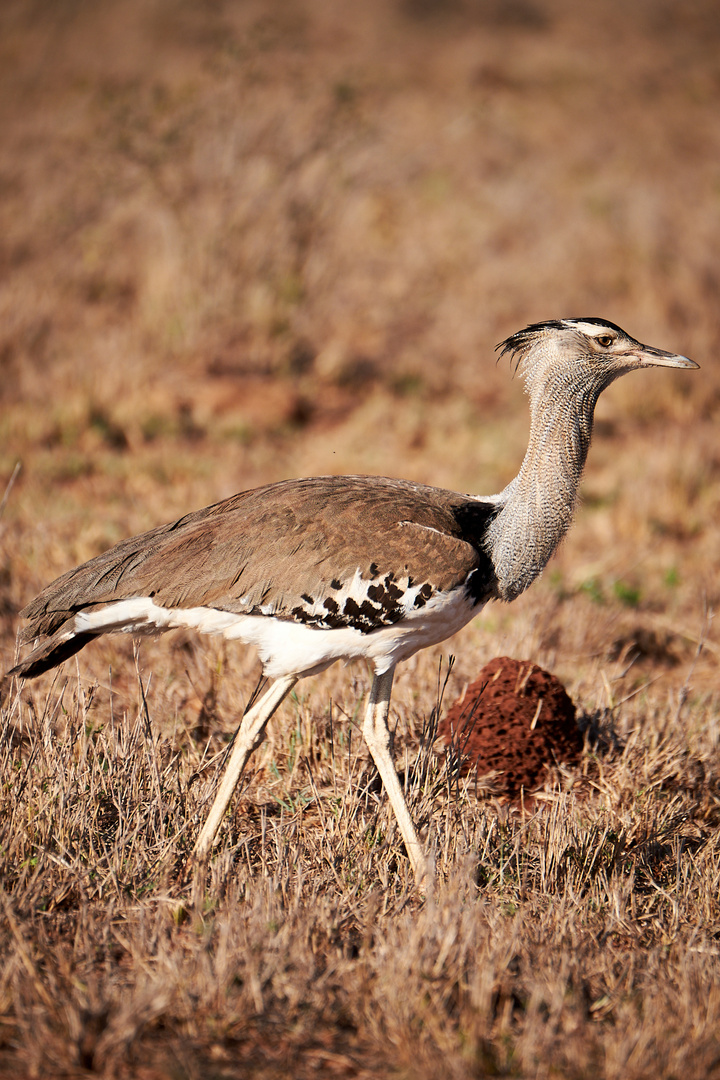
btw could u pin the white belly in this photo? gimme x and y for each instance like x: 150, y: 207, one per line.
x: 292, y: 648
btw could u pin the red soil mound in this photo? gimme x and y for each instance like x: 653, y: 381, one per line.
x: 516, y: 719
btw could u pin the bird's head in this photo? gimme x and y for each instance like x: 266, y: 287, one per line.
x: 587, y: 353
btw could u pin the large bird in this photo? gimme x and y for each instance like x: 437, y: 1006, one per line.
x: 316, y: 570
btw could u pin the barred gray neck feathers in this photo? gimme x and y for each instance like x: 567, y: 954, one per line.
x: 537, y: 506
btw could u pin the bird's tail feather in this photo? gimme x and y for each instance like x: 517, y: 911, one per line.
x: 48, y: 654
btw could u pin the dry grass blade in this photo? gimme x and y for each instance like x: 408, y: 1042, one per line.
x: 6, y: 494
x: 544, y: 936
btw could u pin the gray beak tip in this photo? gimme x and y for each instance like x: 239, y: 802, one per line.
x: 656, y: 358
x: 683, y: 362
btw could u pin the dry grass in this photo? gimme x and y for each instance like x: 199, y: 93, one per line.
x: 583, y: 936
x: 246, y: 241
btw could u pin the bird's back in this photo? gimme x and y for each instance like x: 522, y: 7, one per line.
x: 292, y: 550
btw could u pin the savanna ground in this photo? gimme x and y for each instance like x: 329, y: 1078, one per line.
x: 246, y: 241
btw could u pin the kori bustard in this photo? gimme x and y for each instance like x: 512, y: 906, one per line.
x: 316, y: 570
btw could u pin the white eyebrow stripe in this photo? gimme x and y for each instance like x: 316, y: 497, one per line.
x: 593, y: 330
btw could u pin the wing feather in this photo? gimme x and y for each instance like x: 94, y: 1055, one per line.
x: 264, y: 549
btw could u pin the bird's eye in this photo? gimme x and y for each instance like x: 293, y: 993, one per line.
x: 605, y: 340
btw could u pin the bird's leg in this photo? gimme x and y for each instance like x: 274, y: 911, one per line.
x: 249, y: 737
x: 377, y: 736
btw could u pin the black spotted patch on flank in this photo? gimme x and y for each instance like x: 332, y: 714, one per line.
x: 423, y: 595
x: 382, y: 606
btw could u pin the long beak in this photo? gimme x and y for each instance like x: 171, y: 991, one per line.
x: 651, y: 357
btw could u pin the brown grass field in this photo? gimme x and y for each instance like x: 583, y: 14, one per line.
x: 241, y: 241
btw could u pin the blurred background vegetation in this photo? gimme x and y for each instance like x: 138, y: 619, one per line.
x: 241, y: 241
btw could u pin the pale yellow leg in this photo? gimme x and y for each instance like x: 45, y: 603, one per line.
x: 247, y: 739
x: 377, y: 736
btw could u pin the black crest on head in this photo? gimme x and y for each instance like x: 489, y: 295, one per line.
x: 518, y: 344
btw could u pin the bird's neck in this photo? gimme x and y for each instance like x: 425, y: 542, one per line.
x: 537, y: 506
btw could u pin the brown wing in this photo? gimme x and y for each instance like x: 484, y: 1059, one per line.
x: 279, y: 547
